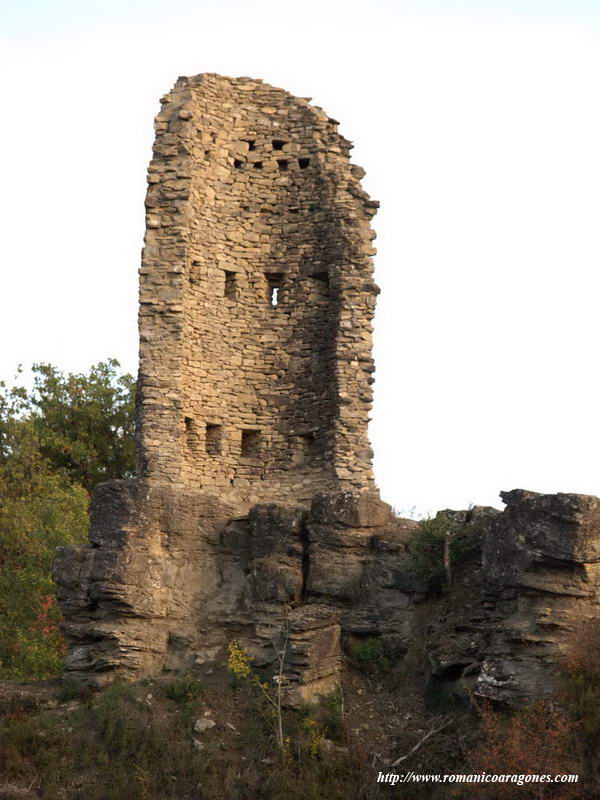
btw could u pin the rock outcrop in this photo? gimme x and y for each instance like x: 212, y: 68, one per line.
x: 254, y: 516
x: 171, y: 577
x: 541, y: 564
x: 503, y: 626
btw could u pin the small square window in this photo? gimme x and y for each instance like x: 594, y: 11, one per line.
x: 251, y: 441
x: 278, y: 144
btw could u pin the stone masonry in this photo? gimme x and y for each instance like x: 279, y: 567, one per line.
x: 256, y: 297
x: 256, y: 304
x: 254, y: 515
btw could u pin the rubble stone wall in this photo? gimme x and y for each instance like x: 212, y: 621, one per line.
x: 256, y: 296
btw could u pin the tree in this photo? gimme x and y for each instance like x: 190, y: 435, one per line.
x: 57, y: 441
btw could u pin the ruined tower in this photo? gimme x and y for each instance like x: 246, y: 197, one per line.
x: 256, y: 297
x: 254, y: 516
x: 256, y: 303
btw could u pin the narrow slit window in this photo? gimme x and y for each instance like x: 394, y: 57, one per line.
x: 251, y: 440
x: 230, y: 285
x: 303, y: 162
x: 278, y: 144
x: 282, y: 164
x: 275, y: 282
x: 214, y: 439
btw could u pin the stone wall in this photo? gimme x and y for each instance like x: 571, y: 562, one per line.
x: 256, y: 296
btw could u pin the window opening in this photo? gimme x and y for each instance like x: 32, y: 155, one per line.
x: 303, y: 448
x: 303, y: 162
x: 282, y: 164
x: 320, y: 285
x: 214, y: 439
x: 191, y: 435
x: 250, y: 442
x: 251, y: 144
x: 237, y: 163
x: 278, y: 144
x: 275, y: 281
x: 230, y: 285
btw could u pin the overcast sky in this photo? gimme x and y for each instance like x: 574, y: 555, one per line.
x: 479, y: 126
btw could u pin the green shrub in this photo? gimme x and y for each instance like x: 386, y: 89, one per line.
x: 182, y: 690
x: 426, y: 549
x: 330, y: 711
x: 73, y: 690
x: 369, y: 655
x: 426, y: 552
x: 51, y: 513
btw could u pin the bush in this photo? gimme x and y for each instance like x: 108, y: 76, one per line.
x: 580, y: 694
x: 537, y: 740
x: 369, y: 655
x: 426, y: 549
x: 51, y: 513
x: 426, y: 552
x: 182, y: 690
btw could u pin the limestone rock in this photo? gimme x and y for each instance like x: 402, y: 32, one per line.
x: 204, y: 724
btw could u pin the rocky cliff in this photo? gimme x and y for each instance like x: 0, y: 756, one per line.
x: 170, y: 578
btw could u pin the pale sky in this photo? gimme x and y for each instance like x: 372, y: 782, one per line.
x: 479, y: 126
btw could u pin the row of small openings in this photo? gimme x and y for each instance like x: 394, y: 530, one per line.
x: 278, y: 144
x: 251, y: 442
x: 282, y: 163
x: 274, y: 284
x: 213, y: 439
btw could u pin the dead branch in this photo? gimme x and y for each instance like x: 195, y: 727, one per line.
x: 429, y: 734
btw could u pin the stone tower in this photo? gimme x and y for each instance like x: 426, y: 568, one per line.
x: 256, y: 303
x: 254, y: 515
x: 256, y: 297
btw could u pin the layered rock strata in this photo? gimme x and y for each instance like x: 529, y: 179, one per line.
x: 515, y: 606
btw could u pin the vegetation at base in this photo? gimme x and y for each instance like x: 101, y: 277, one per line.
x: 57, y: 440
x: 132, y: 741
x: 369, y: 655
x: 121, y: 744
x: 426, y: 550
x: 552, y: 736
x: 184, y: 689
